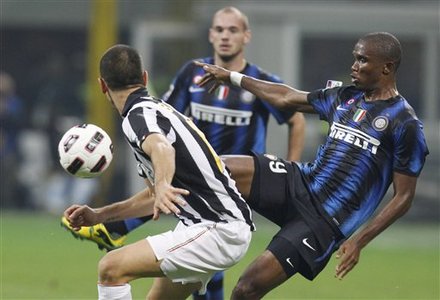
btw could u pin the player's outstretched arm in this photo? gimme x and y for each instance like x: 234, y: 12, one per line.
x: 349, y: 252
x: 279, y: 95
x: 140, y: 204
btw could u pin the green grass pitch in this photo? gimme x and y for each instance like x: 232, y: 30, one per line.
x: 40, y: 260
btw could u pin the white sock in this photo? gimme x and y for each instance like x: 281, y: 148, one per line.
x: 120, y: 292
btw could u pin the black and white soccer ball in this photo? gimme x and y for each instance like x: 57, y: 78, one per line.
x: 85, y: 151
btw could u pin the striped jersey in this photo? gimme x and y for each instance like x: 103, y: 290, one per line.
x: 233, y: 120
x: 366, y: 143
x: 213, y: 195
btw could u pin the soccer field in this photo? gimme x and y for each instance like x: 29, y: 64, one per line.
x: 40, y: 260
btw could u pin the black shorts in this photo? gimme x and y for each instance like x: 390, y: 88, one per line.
x: 306, y: 239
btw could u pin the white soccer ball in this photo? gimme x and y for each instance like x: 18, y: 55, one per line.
x: 85, y: 151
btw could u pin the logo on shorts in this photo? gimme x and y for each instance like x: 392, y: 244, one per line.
x: 289, y: 262
x: 304, y: 241
x: 270, y: 156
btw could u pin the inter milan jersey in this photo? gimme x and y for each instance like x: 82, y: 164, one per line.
x: 233, y: 119
x: 213, y: 195
x: 366, y: 143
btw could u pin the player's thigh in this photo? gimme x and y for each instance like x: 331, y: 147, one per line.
x: 164, y: 288
x: 242, y: 170
x: 129, y: 262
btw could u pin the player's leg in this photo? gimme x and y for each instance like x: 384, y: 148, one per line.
x: 261, y: 276
x: 214, y: 289
x: 164, y: 288
x: 280, y: 261
x: 242, y: 169
x: 117, y: 268
x: 124, y: 227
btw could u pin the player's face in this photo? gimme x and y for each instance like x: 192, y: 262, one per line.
x: 367, y: 69
x: 228, y: 35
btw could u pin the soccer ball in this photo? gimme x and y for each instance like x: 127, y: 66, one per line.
x: 85, y: 151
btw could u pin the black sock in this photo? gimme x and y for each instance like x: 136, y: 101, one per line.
x: 125, y: 226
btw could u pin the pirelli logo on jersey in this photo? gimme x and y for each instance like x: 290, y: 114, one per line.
x: 219, y: 115
x: 354, y: 137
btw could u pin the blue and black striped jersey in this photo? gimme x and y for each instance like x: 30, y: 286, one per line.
x: 366, y: 143
x: 233, y: 120
x: 213, y: 195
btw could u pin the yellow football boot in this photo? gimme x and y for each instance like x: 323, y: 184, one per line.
x: 97, y: 234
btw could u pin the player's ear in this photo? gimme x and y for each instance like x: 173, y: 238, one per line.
x: 247, y: 36
x: 388, y: 68
x: 145, y: 77
x: 103, y: 85
x: 210, y: 35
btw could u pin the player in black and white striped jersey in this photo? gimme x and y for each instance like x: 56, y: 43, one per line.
x: 184, y: 177
x: 212, y: 194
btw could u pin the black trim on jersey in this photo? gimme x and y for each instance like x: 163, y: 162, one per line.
x: 163, y: 123
x: 133, y: 98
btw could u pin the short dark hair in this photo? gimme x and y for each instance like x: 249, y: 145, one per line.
x: 387, y: 46
x: 120, y: 67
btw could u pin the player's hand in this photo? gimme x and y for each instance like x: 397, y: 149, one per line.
x: 349, y: 254
x: 81, y: 215
x: 166, y: 199
x: 214, y: 74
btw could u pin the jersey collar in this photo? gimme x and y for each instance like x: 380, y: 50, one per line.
x: 134, y: 98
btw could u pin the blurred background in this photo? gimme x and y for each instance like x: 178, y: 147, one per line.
x: 49, y: 66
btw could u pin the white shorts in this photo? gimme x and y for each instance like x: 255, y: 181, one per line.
x: 195, y: 253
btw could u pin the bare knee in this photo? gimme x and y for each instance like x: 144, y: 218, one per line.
x: 264, y: 274
x: 248, y: 289
x: 109, y: 271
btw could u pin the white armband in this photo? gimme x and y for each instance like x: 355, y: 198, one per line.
x: 236, y: 78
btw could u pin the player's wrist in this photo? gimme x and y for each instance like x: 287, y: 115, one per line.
x: 236, y: 78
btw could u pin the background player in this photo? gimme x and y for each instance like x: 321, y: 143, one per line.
x: 374, y: 139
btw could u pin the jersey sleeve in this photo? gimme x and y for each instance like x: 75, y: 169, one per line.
x: 178, y: 94
x: 324, y: 101
x: 141, y: 122
x: 410, y: 148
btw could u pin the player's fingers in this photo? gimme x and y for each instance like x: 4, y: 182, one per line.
x: 198, y: 63
x: 344, y: 270
x: 76, y: 213
x: 181, y: 191
x: 180, y: 201
x: 156, y: 213
x: 69, y: 210
x: 164, y: 209
x: 172, y: 208
x: 346, y: 265
x: 339, y: 253
x: 214, y: 87
x: 204, y: 79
